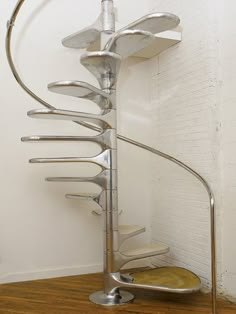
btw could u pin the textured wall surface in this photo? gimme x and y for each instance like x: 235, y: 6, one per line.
x: 184, y: 106
x: 228, y: 113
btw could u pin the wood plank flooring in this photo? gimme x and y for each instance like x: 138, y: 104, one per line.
x: 69, y: 295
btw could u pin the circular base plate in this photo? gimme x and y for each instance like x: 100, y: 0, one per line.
x: 120, y: 298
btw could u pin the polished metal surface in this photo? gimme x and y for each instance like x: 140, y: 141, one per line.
x: 103, y: 179
x: 123, y: 257
x: 155, y: 23
x: 103, y: 65
x: 82, y: 90
x: 85, y: 37
x: 172, y: 277
x: 108, y: 16
x: 100, y: 199
x: 92, y: 36
x: 104, y: 121
x: 82, y: 39
x: 187, y: 282
x: 117, y: 298
x: 128, y: 42
x: 104, y: 139
x: 112, y: 281
x: 103, y: 159
x: 128, y: 231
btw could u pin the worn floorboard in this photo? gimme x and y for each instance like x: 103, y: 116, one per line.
x: 69, y: 295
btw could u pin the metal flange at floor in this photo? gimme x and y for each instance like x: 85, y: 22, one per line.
x: 119, y: 298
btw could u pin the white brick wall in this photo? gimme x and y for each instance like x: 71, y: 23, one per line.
x: 184, y: 107
x: 227, y: 13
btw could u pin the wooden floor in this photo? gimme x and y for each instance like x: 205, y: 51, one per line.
x: 69, y: 295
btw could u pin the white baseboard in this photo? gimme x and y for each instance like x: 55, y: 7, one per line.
x: 50, y: 273
x: 62, y: 272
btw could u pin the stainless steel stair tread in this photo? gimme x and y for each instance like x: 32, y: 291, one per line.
x: 90, y: 36
x: 146, y: 251
x: 82, y: 39
x: 81, y: 90
x: 83, y: 196
x: 129, y: 42
x: 155, y: 23
x: 104, y: 159
x: 104, y: 139
x: 179, y: 280
x: 103, y: 121
x: 99, y: 198
x: 103, y: 179
x: 85, y: 37
x: 102, y: 64
x: 131, y: 229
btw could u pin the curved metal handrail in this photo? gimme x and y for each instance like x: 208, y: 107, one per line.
x: 10, y: 25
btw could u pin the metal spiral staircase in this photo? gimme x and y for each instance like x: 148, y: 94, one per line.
x: 106, y: 48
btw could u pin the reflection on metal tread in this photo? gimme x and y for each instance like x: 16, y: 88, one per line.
x: 85, y: 37
x: 102, y: 64
x: 82, y: 90
x: 129, y: 42
x: 169, y: 277
x: 155, y: 23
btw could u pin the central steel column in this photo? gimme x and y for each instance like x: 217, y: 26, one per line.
x: 111, y: 212
x: 111, y: 295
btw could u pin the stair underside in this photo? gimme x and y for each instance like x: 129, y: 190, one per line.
x: 130, y: 229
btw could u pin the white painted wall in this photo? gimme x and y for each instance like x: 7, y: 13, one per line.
x: 41, y: 233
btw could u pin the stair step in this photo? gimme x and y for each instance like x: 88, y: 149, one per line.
x: 146, y: 251
x: 104, y: 139
x: 103, y: 179
x: 177, y: 279
x: 97, y: 198
x: 104, y: 121
x: 129, y: 42
x: 130, y: 229
x: 85, y: 37
x: 124, y: 257
x: 155, y: 23
x: 83, y: 196
x: 103, y: 159
x: 102, y: 63
x: 82, y: 90
x: 166, y: 279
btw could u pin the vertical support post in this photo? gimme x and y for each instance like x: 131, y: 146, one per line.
x: 108, y: 16
x: 108, y: 21
x: 110, y: 294
x: 111, y: 228
x: 111, y: 213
